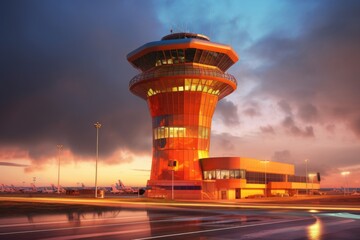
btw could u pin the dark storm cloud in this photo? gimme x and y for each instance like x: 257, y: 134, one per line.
x: 285, y: 107
x: 252, y: 109
x: 9, y: 164
x: 317, y: 69
x: 308, y: 112
x: 224, y: 144
x: 290, y: 126
x: 282, y: 156
x: 227, y: 112
x: 64, y: 67
x: 267, y: 129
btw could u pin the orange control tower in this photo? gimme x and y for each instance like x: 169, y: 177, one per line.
x: 182, y: 79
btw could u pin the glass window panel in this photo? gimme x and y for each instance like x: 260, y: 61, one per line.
x: 171, y: 132
x: 162, y: 133
x: 167, y: 54
x: 232, y: 174
x: 224, y: 174
x: 206, y: 175
x: 166, y: 132
x: 218, y: 174
x: 190, y: 54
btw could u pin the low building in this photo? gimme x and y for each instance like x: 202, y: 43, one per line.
x: 237, y: 177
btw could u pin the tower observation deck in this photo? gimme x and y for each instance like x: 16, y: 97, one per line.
x: 182, y: 78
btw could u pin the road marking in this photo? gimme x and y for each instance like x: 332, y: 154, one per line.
x: 103, y: 225
x: 91, y: 235
x: 62, y: 222
x: 220, y: 229
x: 266, y: 233
x: 341, y: 215
x: 101, y: 202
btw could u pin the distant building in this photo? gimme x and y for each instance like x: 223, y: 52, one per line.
x: 183, y: 77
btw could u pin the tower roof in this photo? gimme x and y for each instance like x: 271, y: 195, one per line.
x: 185, y: 35
x: 181, y: 48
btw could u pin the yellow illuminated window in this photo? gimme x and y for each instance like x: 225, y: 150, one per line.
x: 171, y: 132
x: 162, y: 133
x: 166, y: 135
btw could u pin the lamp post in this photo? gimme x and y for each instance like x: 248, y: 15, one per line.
x: 306, y: 176
x: 59, y: 147
x: 312, y: 175
x: 172, y: 184
x: 345, y: 173
x: 265, y: 162
x: 97, y: 125
x: 172, y: 164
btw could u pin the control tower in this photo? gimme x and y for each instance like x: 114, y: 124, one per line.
x: 182, y: 78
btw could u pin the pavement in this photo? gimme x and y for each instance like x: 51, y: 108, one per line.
x: 116, y: 218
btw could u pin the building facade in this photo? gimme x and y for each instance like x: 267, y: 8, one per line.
x: 182, y: 78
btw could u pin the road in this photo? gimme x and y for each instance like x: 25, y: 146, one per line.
x: 147, y: 221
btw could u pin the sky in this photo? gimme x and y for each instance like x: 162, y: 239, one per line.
x: 63, y: 67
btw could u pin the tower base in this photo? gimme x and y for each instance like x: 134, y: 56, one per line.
x: 179, y: 189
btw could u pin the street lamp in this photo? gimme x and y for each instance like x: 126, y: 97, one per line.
x: 172, y: 164
x: 97, y: 125
x: 306, y: 176
x: 312, y: 175
x: 59, y: 147
x: 265, y: 162
x: 345, y: 173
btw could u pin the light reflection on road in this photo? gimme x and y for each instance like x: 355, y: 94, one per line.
x: 314, y: 231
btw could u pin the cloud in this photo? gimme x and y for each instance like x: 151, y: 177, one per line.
x: 308, y: 112
x: 355, y: 125
x: 267, y: 129
x: 63, y: 68
x: 227, y: 112
x: 282, y: 156
x: 315, y: 69
x: 10, y: 164
x: 285, y: 107
x: 290, y: 126
x: 252, y: 109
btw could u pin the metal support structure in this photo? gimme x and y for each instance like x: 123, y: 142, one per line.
x: 59, y: 147
x: 312, y: 175
x: 265, y: 181
x: 345, y: 173
x: 306, y: 176
x: 172, y: 184
x: 97, y: 125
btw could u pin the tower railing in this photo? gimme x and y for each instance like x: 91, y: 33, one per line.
x: 180, y: 70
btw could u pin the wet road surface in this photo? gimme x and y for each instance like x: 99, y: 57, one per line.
x: 184, y: 223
